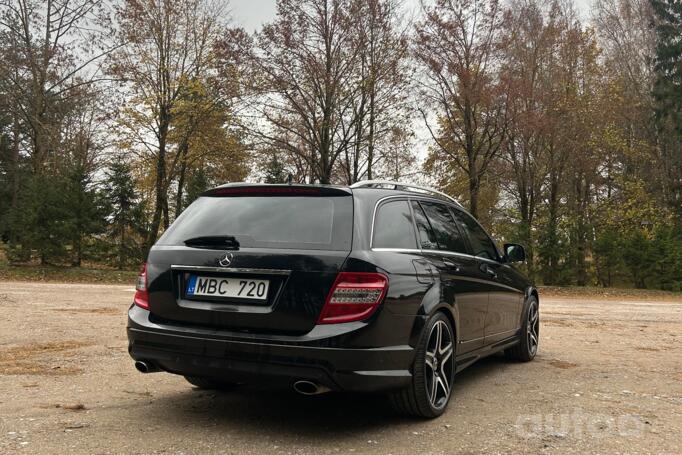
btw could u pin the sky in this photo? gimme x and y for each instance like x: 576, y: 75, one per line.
x: 251, y: 14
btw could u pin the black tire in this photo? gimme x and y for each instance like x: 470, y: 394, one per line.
x: 210, y: 383
x: 419, y: 399
x: 526, y: 349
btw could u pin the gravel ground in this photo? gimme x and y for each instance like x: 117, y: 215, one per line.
x: 607, y: 379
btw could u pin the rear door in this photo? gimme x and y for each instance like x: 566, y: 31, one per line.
x: 252, y: 259
x: 505, y: 301
x: 445, y: 246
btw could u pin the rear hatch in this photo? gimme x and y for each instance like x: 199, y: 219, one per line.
x: 252, y: 258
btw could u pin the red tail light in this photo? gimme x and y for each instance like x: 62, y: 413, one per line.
x: 141, y: 293
x: 354, y: 296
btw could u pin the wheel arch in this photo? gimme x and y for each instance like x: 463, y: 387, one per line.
x: 432, y: 303
x: 533, y: 292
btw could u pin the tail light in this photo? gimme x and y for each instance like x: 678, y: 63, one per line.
x: 141, y: 293
x: 354, y: 296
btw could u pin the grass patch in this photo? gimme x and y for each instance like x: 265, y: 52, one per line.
x: 20, y: 360
x: 66, y: 274
x: 26, y: 351
x: 608, y: 293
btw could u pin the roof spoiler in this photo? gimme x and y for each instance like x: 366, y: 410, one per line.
x: 264, y: 189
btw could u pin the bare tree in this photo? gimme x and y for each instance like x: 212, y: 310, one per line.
x: 457, y: 45
x: 629, y: 41
x: 383, y: 79
x: 531, y: 39
x: 51, y: 52
x: 629, y: 45
x: 163, y: 44
x: 51, y: 48
x: 305, y: 69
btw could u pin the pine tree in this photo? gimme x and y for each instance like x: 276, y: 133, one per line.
x: 667, y: 93
x: 275, y: 171
x: 42, y: 221
x: 126, y: 213
x: 86, y: 213
x: 668, y: 86
x: 197, y: 183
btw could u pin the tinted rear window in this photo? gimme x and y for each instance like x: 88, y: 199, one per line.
x: 427, y: 238
x: 318, y: 223
x: 394, y: 227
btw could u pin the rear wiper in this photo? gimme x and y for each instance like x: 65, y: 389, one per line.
x: 227, y: 242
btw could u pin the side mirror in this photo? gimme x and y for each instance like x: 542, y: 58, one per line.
x: 513, y: 252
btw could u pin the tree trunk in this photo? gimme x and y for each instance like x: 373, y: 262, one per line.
x: 14, y: 175
x: 357, y: 148
x: 580, y: 186
x: 161, y: 197
x: 78, y: 259
x: 15, y: 162
x: 474, y: 187
x: 474, y: 182
x: 550, y: 247
x: 527, y: 209
x: 121, y: 246
x: 181, y: 188
x: 166, y: 216
x: 370, y: 137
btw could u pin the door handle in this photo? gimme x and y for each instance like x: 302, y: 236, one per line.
x: 451, y: 265
x: 491, y: 272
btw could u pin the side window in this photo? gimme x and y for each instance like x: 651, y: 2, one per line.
x: 427, y: 239
x: 481, y: 244
x: 393, y: 227
x: 447, y: 234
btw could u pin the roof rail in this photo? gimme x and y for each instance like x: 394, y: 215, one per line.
x: 403, y: 187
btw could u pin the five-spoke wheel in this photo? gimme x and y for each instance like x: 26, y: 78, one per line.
x: 433, y: 371
x: 533, y: 328
x: 439, y: 363
x: 527, y: 346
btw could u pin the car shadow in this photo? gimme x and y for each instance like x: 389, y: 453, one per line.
x: 280, y: 411
x: 495, y: 364
x: 285, y: 412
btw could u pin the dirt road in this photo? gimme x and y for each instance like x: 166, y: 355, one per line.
x: 607, y: 379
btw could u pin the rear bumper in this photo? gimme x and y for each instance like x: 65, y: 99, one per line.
x: 247, y: 358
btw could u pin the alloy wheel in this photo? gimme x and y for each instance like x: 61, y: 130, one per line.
x: 439, y: 361
x: 533, y: 328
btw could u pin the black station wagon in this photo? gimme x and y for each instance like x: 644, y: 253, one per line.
x: 380, y: 286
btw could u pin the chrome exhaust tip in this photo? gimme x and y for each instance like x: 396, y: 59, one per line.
x: 310, y: 388
x: 144, y: 366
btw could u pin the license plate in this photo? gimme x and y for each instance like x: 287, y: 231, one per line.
x: 241, y: 288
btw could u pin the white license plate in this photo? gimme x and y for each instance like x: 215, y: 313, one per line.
x: 241, y: 288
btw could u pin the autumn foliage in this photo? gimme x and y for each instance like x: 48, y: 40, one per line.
x: 558, y: 131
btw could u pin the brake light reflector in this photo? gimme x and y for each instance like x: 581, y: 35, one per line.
x: 141, y: 298
x: 264, y: 191
x: 354, y: 296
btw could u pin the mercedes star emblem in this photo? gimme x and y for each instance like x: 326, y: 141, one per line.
x: 226, y: 260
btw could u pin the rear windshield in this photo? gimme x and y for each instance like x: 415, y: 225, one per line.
x: 300, y: 222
